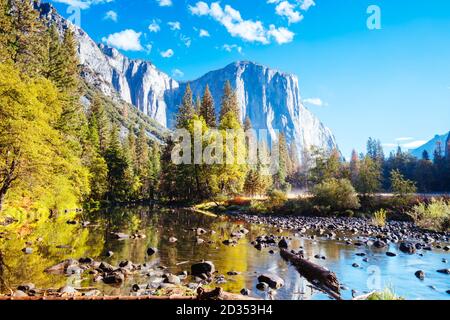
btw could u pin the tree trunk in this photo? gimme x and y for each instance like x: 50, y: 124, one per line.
x: 2, y: 199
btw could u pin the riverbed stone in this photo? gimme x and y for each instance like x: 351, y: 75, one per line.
x: 283, y: 244
x: 391, y: 254
x: 420, y: 274
x: 171, y: 278
x: 407, y: 247
x: 262, y: 286
x: 19, y: 294
x: 444, y: 271
x: 205, y: 267
x: 151, y: 251
x: 246, y: 292
x: 274, y: 281
x: 114, y: 278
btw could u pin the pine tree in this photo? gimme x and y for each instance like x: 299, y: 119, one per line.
x: 229, y: 102
x: 117, y: 168
x: 354, y: 168
x: 207, y: 110
x: 186, y: 109
x: 70, y: 80
x: 54, y: 64
x: 99, y: 113
x: 280, y: 178
x: 142, y: 153
x: 28, y: 38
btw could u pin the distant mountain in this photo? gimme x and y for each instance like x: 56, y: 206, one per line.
x: 270, y: 98
x: 430, y: 146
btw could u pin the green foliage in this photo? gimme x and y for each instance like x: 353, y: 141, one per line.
x: 336, y: 195
x: 277, y: 198
x: 369, y: 178
x: 326, y: 166
x: 434, y: 215
x: 386, y: 294
x: 401, y: 186
x: 207, y: 110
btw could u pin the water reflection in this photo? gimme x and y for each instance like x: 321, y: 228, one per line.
x: 54, y: 240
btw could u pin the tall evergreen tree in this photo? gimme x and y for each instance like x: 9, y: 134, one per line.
x: 207, y: 110
x: 28, y: 38
x: 229, y: 102
x: 186, y: 109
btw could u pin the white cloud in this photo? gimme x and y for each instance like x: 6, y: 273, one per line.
x: 414, y: 144
x: 164, y: 3
x: 148, y: 48
x: 174, y: 25
x: 286, y: 9
x: 315, y: 102
x: 82, y: 4
x: 177, y: 73
x: 167, y: 54
x: 128, y: 40
x: 203, y: 33
x: 247, y: 30
x: 154, y: 26
x: 230, y: 47
x: 281, y: 35
x: 186, y: 40
x: 111, y: 15
x: 306, y: 4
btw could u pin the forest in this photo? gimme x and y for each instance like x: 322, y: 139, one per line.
x: 58, y: 152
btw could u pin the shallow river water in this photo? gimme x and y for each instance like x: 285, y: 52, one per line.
x: 57, y: 240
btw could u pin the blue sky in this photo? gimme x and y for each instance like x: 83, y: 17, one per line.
x: 391, y: 83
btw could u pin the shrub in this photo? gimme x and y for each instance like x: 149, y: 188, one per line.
x: 336, y: 195
x: 434, y: 216
x: 239, y: 201
x: 386, y: 294
x: 277, y: 198
x: 379, y: 218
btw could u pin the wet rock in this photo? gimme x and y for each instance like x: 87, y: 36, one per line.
x: 68, y: 290
x: 379, y: 244
x: 361, y: 254
x: 229, y: 242
x: 26, y: 287
x: 355, y: 265
x: 420, y: 274
x: 61, y: 267
x: 271, y: 252
x: 27, y: 250
x: 258, y: 246
x: 274, y: 281
x: 365, y: 260
x: 246, y: 292
x: 171, y: 278
x: 444, y: 260
x: 200, y: 240
x: 391, y: 254
x: 200, y: 231
x: 444, y: 271
x: 262, y: 286
x: 173, y: 239
x: 114, y: 278
x: 448, y: 291
x: 206, y: 267
x: 151, y: 251
x: 109, y: 254
x: 86, y: 260
x: 121, y: 236
x: 283, y: 244
x: 407, y: 247
x: 106, y: 267
x: 447, y: 248
x: 127, y: 265
x: 72, y: 222
x: 233, y: 273
x: 19, y: 294
x: 73, y: 269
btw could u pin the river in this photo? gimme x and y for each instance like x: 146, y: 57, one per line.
x: 54, y: 240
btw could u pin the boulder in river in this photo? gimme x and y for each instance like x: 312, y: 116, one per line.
x: 391, y: 254
x: 274, y: 281
x: 151, y: 251
x: 444, y: 271
x: 171, y: 278
x: 407, y: 247
x: 114, y: 278
x: 283, y: 244
x: 106, y: 267
x: 420, y: 274
x: 262, y: 286
x: 245, y: 292
x: 205, y: 267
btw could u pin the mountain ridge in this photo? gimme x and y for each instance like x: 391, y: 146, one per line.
x: 270, y: 97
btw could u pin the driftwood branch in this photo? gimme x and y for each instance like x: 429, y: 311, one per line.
x: 320, y: 277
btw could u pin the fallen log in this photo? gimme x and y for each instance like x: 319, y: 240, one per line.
x: 320, y: 277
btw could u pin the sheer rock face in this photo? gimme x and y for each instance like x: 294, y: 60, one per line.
x: 270, y: 98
